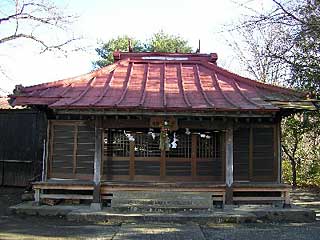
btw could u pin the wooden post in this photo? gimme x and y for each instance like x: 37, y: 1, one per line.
x: 279, y: 151
x: 132, y: 158
x: 96, y: 202
x: 251, y: 153
x: 46, y: 160
x: 194, y: 156
x: 37, y: 196
x: 229, y: 164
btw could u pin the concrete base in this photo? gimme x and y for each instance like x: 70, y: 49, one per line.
x: 231, y: 214
x: 96, y: 206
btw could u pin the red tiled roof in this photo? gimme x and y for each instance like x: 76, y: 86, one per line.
x: 158, y: 81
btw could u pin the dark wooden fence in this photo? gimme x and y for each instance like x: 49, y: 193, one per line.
x: 21, y: 146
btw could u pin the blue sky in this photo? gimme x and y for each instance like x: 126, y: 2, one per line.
x: 102, y: 20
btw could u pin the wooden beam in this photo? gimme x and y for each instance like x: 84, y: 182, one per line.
x: 172, y: 112
x: 132, y: 158
x: 126, y: 123
x: 66, y: 196
x: 229, y: 164
x: 258, y: 199
x: 203, y: 124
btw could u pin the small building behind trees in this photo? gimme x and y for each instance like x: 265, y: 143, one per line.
x: 162, y: 122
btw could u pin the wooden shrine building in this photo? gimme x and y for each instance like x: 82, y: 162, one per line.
x: 162, y: 122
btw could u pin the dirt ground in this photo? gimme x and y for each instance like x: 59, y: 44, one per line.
x: 26, y: 227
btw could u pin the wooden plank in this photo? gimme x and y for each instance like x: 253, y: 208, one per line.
x: 62, y: 187
x: 67, y: 122
x: 110, y: 189
x: 66, y: 196
x: 235, y: 189
x: 258, y: 199
x: 126, y: 123
x: 194, y: 155
x: 132, y: 158
x: 68, y: 176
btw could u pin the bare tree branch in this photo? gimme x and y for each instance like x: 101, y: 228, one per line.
x: 288, y: 13
x: 34, y: 14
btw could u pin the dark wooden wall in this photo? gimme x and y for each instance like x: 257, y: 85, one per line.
x: 21, y: 146
x: 255, y: 152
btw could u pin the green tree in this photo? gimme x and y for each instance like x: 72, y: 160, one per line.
x: 121, y: 43
x: 163, y: 42
x: 159, y: 42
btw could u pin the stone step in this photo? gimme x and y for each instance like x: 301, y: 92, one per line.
x: 158, y: 200
x: 230, y: 214
x: 161, y: 195
x: 162, y: 202
x: 145, y: 208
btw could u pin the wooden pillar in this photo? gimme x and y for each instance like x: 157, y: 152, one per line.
x: 279, y: 153
x: 46, y: 150
x: 251, y: 153
x: 132, y: 159
x: 37, y: 196
x: 194, y: 156
x: 96, y: 202
x: 229, y: 164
